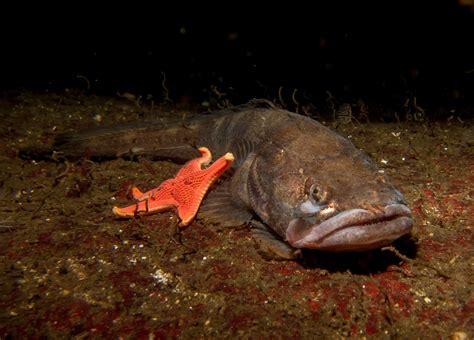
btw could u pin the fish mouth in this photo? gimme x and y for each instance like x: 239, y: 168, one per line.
x: 353, y: 230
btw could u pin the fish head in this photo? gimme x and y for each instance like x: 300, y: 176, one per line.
x: 316, y: 190
x: 346, y: 204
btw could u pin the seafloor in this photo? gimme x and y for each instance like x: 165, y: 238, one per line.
x: 69, y: 268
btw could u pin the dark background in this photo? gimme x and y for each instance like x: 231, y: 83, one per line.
x: 379, y: 52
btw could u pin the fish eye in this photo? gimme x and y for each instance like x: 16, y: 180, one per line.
x: 315, y: 194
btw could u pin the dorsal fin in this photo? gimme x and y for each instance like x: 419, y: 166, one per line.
x: 261, y: 103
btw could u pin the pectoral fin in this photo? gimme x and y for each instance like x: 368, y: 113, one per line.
x: 270, y: 246
x: 221, y: 208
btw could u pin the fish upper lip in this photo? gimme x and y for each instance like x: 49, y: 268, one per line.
x: 319, y: 235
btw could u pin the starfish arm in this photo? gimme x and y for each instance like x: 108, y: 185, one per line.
x: 147, y: 206
x: 206, y: 156
x: 154, y: 200
x: 200, y: 183
x: 137, y: 194
x: 160, y: 192
x: 196, y: 164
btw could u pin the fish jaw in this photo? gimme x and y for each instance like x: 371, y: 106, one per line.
x: 352, y: 230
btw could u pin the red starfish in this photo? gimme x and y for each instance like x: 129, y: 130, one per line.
x: 184, y: 192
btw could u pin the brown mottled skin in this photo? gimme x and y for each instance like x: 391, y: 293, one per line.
x: 303, y: 185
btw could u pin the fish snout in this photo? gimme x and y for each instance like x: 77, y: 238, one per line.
x: 353, y: 229
x: 375, y: 200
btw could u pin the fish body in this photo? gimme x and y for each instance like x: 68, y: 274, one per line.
x: 299, y: 184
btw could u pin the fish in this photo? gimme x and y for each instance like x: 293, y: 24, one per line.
x: 296, y: 183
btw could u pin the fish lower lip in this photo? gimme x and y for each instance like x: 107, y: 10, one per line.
x: 358, y: 229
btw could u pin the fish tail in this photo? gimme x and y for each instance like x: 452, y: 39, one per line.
x: 151, y: 139
x: 154, y: 140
